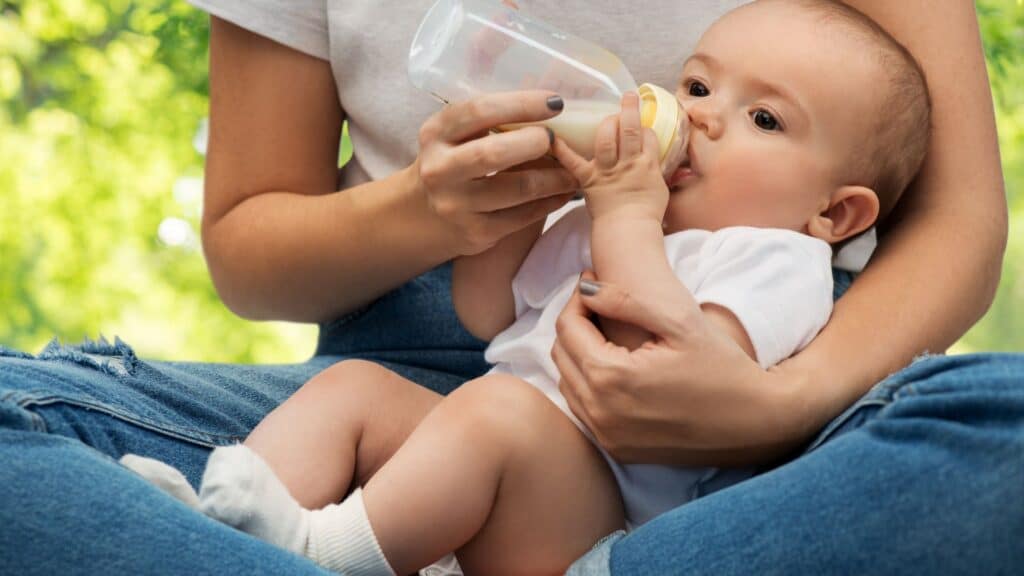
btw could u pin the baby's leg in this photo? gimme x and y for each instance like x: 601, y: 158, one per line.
x: 340, y: 427
x: 498, y: 473
x: 337, y: 430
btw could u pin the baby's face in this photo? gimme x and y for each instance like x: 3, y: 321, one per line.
x: 776, y: 108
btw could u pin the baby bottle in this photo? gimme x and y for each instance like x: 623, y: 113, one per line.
x: 465, y: 48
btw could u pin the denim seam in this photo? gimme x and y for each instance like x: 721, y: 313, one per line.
x: 38, y: 424
x: 190, y: 436
x: 25, y: 399
x: 908, y: 389
x: 882, y: 395
x: 839, y: 422
x: 346, y: 319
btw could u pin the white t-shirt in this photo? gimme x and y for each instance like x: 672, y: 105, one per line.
x: 778, y: 284
x: 367, y: 44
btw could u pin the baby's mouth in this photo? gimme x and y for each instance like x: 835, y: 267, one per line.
x: 684, y: 172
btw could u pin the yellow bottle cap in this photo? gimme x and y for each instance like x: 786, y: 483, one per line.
x: 660, y: 111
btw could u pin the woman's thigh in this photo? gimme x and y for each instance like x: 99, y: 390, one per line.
x: 925, y: 475
x: 68, y: 412
x: 102, y: 394
x: 68, y: 509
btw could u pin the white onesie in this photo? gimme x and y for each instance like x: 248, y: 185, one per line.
x: 778, y: 283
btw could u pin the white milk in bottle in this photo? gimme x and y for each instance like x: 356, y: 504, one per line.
x: 465, y: 48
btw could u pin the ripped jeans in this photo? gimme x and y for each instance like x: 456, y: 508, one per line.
x: 925, y: 475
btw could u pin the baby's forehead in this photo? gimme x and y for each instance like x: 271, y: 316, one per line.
x: 768, y: 24
x: 778, y: 42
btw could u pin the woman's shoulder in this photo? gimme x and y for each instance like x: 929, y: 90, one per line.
x: 298, y: 24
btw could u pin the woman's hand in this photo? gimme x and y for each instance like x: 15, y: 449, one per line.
x: 689, y: 397
x: 624, y: 178
x: 464, y: 171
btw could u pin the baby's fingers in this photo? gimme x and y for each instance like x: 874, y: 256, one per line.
x: 606, y: 146
x: 652, y: 147
x: 577, y: 165
x: 631, y: 139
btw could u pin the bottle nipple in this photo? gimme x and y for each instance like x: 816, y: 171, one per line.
x: 661, y: 112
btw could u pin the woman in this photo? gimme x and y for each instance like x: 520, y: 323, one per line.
x: 368, y: 264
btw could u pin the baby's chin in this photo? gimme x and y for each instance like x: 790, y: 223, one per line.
x: 673, y: 223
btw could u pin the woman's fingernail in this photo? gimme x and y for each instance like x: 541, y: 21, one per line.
x: 551, y: 136
x: 556, y: 103
x: 589, y: 287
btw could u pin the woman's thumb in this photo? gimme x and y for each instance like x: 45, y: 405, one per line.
x: 662, y: 318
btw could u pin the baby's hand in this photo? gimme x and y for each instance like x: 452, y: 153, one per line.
x: 624, y: 178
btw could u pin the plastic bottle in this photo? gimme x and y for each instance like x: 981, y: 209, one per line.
x: 465, y: 48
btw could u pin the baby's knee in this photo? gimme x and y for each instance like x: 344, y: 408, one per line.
x: 351, y: 377
x: 504, y: 407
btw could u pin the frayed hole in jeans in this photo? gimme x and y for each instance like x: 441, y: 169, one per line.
x: 116, y: 359
x: 6, y: 352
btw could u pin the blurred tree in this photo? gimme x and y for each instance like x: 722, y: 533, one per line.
x: 102, y: 107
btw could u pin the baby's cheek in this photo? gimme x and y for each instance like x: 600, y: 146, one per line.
x: 763, y: 178
x: 750, y: 198
x: 743, y: 177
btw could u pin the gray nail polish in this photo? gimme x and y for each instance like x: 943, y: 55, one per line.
x: 551, y: 136
x: 589, y: 287
x: 556, y: 103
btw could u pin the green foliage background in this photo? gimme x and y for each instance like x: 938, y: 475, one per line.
x: 102, y: 107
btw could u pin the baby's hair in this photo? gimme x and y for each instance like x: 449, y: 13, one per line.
x: 898, y: 141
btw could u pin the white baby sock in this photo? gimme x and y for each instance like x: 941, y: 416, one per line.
x: 341, y: 539
x: 241, y: 490
x: 164, y: 476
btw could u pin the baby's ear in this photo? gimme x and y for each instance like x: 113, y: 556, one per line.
x: 851, y: 210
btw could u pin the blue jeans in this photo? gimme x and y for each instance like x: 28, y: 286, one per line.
x: 925, y: 474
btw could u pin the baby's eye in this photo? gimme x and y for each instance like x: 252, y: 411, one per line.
x: 765, y: 121
x: 698, y: 89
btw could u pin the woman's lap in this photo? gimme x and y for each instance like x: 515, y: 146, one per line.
x: 102, y: 394
x: 69, y: 412
x: 931, y: 450
x: 924, y: 475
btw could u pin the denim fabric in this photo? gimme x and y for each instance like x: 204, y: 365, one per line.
x: 924, y: 475
x: 934, y: 467
x: 66, y: 414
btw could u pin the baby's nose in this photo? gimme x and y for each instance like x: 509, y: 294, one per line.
x: 704, y: 116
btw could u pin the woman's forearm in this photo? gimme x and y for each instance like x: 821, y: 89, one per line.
x: 287, y: 256
x: 280, y: 241
x: 283, y: 243
x: 925, y: 287
x: 936, y: 270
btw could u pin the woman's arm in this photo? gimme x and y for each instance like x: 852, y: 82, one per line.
x: 938, y: 265
x: 690, y: 399
x: 282, y: 242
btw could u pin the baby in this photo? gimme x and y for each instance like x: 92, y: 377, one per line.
x: 807, y: 121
